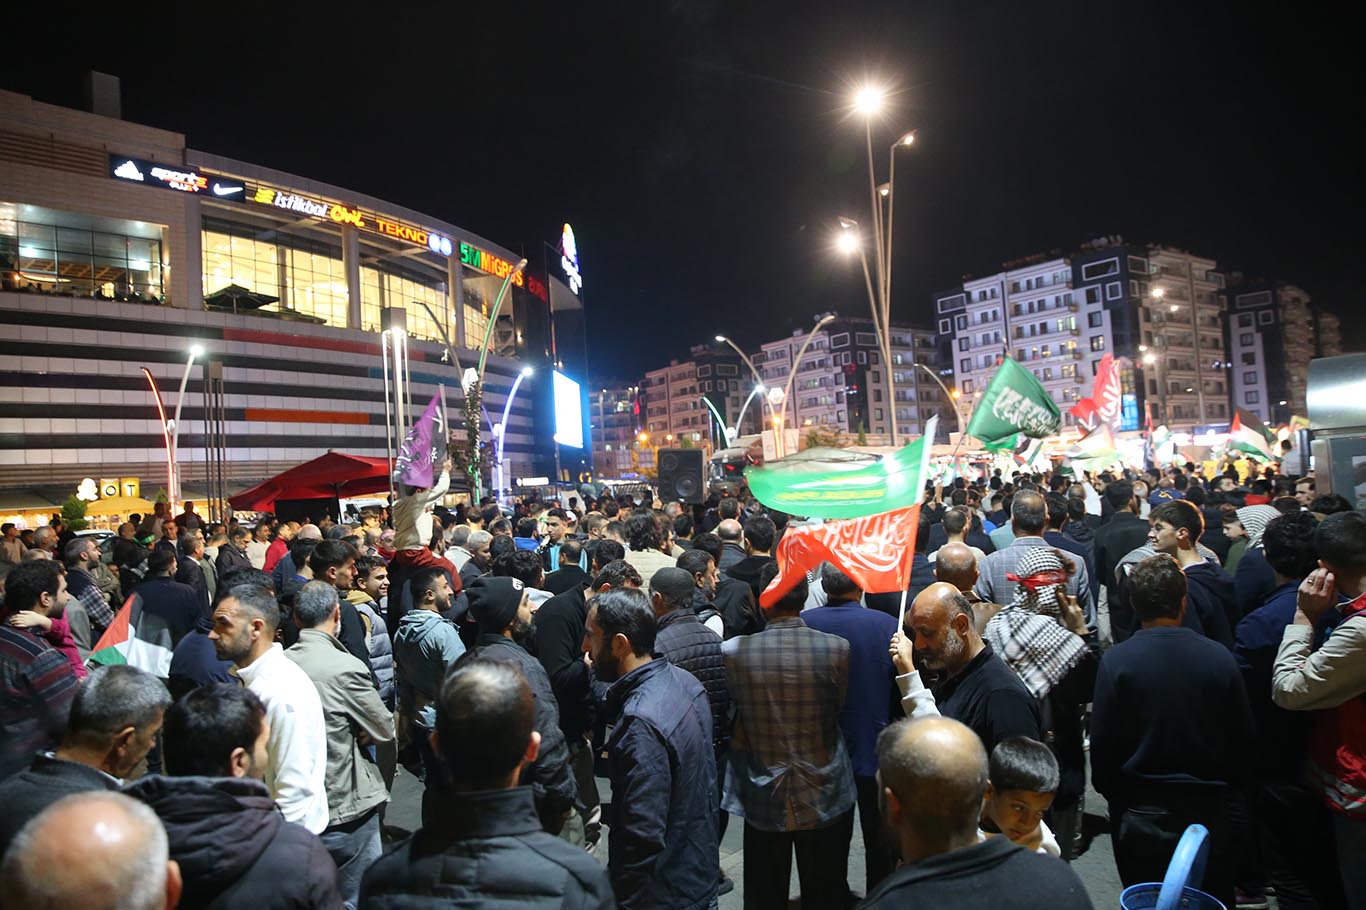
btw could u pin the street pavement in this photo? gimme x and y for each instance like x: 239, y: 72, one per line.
x: 1096, y: 866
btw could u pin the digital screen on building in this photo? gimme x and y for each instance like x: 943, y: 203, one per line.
x: 1128, y: 411
x: 568, y: 411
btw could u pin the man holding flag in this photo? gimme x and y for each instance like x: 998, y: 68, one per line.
x: 423, y: 486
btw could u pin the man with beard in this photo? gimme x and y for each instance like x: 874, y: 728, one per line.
x: 233, y: 847
x: 662, y: 841
x: 425, y: 646
x: 480, y: 560
x: 502, y: 607
x: 244, y: 627
x: 732, y: 598
x: 975, y: 686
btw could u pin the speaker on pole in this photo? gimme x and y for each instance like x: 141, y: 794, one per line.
x: 680, y: 476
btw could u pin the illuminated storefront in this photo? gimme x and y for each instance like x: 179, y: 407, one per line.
x: 120, y: 247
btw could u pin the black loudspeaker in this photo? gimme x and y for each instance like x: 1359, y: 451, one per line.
x: 680, y: 476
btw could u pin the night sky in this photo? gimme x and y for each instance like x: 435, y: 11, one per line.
x: 703, y: 150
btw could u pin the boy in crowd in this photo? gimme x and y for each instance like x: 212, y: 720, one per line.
x: 1023, y: 779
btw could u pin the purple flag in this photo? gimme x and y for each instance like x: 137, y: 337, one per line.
x: 423, y: 448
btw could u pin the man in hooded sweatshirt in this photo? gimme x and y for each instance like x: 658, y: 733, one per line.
x: 233, y: 846
x: 1213, y: 610
x: 502, y: 607
x: 425, y: 646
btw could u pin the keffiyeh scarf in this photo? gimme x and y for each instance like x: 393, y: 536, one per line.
x: 1027, y: 633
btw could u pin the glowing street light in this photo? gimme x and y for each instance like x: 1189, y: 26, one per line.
x: 847, y: 242
x: 868, y: 100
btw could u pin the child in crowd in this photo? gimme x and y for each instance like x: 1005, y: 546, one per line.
x: 1023, y: 781
x: 56, y: 632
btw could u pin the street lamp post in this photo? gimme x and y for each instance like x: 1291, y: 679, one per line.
x: 849, y: 242
x: 952, y: 396
x: 868, y: 102
x: 196, y: 350
x: 796, y: 362
x: 473, y: 382
x: 500, y: 431
x: 776, y: 421
x: 759, y: 389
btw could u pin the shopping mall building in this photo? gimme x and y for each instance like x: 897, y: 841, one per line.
x: 121, y: 248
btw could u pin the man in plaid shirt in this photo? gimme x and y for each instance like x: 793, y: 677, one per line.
x: 788, y: 771
x: 82, y: 554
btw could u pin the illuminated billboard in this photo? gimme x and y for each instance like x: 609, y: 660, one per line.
x: 568, y: 412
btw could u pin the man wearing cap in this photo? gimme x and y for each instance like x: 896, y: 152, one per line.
x: 502, y: 607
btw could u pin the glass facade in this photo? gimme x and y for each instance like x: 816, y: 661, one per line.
x: 380, y: 289
x: 51, y: 252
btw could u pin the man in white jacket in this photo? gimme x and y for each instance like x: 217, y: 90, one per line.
x: 244, y: 627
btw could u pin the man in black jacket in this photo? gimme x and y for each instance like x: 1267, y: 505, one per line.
x: 1123, y: 533
x: 232, y: 556
x: 758, y: 542
x: 502, y: 607
x: 233, y: 846
x: 568, y: 574
x: 482, y: 842
x: 177, y: 605
x: 934, y: 772
x: 1171, y: 735
x: 114, y: 720
x: 733, y: 599
x: 662, y: 849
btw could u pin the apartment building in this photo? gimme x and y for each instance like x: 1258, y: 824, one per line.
x: 671, y: 401
x: 840, y: 381
x: 1272, y: 333
x: 1156, y: 307
x: 614, y: 414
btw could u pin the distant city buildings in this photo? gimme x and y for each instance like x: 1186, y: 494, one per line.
x: 1189, y: 351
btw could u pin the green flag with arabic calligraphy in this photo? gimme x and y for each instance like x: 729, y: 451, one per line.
x: 894, y: 482
x: 1015, y: 402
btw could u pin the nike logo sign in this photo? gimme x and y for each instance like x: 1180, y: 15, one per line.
x: 225, y: 191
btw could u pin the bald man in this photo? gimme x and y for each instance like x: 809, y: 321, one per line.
x: 957, y: 565
x: 1028, y: 519
x: 732, y: 549
x: 123, y: 855
x: 933, y: 773
x: 975, y: 686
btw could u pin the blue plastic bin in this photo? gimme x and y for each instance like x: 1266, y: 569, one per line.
x: 1175, y: 891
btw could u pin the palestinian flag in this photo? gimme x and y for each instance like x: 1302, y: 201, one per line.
x: 1095, y: 451
x: 1249, y: 439
x: 136, y: 638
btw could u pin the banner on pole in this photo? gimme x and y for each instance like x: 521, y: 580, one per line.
x: 424, y: 448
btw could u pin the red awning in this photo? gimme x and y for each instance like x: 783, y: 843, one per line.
x: 335, y: 475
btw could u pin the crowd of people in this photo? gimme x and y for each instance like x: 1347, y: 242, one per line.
x: 1193, y: 645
